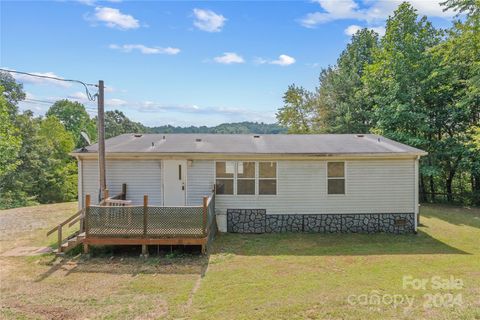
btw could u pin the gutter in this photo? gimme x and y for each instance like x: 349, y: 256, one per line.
x: 197, y: 155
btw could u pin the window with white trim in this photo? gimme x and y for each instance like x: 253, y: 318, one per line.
x: 246, y: 177
x: 225, y: 174
x: 267, y: 178
x: 336, y: 177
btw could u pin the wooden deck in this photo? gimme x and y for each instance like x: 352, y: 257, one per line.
x: 123, y: 224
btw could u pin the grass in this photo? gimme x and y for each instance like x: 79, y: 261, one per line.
x: 270, y: 276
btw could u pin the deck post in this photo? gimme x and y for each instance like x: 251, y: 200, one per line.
x: 145, y: 226
x: 59, y: 228
x: 124, y: 191
x: 85, y: 221
x: 205, y: 204
x: 106, y: 194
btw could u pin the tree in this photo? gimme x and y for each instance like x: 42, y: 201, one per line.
x: 470, y: 7
x: 344, y: 107
x: 458, y: 78
x: 338, y: 105
x: 10, y: 141
x: 238, y: 127
x: 117, y: 123
x: 298, y: 113
x: 399, y: 86
x: 59, y: 179
x: 75, y: 118
x: 12, y: 92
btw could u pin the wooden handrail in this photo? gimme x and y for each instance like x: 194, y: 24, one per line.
x: 65, y: 222
x: 117, y: 197
x: 122, y: 195
x: 79, y: 218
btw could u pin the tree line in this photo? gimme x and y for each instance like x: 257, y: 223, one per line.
x: 418, y: 85
x: 35, y: 165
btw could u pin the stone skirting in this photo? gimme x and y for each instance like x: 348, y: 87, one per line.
x: 258, y: 221
x: 246, y: 220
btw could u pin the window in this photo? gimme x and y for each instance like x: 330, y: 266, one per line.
x: 224, y: 171
x: 267, y: 174
x: 245, y: 177
x: 336, y: 177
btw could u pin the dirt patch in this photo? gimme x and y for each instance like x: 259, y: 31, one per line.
x: 26, y: 251
x: 24, y: 227
x: 38, y: 311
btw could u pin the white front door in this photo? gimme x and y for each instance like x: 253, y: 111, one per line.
x: 174, y: 182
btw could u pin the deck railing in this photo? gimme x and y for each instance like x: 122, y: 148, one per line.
x: 116, y: 221
x: 150, y: 221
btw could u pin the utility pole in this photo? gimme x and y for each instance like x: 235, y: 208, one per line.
x: 101, y: 139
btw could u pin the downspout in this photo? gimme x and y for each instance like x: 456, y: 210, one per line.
x: 416, y: 203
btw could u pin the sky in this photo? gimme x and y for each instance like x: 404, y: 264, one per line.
x: 184, y: 63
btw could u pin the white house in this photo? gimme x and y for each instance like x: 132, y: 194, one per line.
x: 267, y: 183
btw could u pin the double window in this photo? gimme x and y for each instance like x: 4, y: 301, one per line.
x: 246, y: 177
x: 336, y: 177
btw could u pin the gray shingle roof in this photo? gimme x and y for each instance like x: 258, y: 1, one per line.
x: 317, y: 144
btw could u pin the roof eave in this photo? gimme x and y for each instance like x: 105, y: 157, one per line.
x: 221, y: 155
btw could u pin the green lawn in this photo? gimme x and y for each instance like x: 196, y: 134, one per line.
x: 271, y: 276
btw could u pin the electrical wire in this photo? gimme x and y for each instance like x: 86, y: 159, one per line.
x: 38, y: 101
x: 86, y: 85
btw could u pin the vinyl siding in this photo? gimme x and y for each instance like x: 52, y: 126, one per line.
x: 141, y: 176
x: 372, y: 186
x: 200, y: 176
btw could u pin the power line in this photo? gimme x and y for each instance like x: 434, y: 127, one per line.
x: 37, y: 101
x: 86, y: 85
x: 31, y: 100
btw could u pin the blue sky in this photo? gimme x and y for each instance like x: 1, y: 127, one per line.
x: 184, y: 63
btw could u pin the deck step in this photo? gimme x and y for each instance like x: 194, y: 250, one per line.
x: 71, y: 243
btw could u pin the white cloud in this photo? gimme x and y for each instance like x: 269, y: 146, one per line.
x: 114, y: 18
x: 207, y: 20
x: 115, y: 103
x: 144, y: 49
x: 82, y: 98
x: 229, y: 58
x: 79, y: 96
x: 233, y: 114
x: 94, y: 2
x: 260, y: 60
x: 23, y: 78
x: 371, y: 11
x: 351, y: 30
x: 87, y: 2
x: 283, y: 60
x: 380, y: 30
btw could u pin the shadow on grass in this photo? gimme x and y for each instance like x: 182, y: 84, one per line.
x: 460, y: 216
x: 331, y: 244
x: 125, y: 260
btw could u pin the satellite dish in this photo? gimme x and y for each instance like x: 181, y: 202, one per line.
x: 86, y: 138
